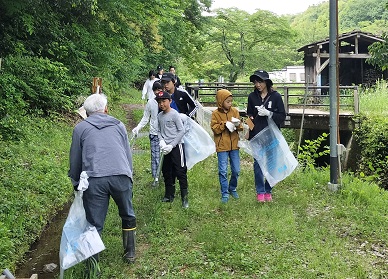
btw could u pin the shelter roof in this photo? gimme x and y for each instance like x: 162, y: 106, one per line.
x: 346, y: 37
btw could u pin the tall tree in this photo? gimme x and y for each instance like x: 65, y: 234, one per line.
x: 249, y: 42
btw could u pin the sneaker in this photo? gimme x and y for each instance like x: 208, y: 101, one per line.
x: 260, y: 198
x: 268, y: 197
x: 234, y: 194
x: 225, y: 199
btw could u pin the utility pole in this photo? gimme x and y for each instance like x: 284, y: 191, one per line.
x: 333, y: 91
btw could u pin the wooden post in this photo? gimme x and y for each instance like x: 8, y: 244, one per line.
x: 97, y: 85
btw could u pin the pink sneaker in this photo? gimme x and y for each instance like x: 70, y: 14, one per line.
x: 260, y: 198
x: 268, y: 197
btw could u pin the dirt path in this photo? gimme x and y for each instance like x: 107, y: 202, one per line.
x: 130, y: 123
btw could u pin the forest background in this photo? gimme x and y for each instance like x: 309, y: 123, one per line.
x: 50, y: 50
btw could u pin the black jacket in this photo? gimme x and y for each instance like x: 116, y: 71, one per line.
x: 274, y: 104
x: 184, y: 102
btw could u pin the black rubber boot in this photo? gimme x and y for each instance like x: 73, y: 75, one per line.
x: 185, y: 199
x: 129, y: 246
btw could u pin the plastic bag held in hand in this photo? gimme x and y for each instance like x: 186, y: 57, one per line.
x: 135, y: 131
x: 230, y: 126
x: 162, y: 144
x: 236, y: 121
x: 167, y: 149
x: 83, y: 182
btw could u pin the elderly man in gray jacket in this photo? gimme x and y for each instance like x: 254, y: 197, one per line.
x: 100, y: 147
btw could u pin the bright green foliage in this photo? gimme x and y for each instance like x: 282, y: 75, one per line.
x: 239, y: 43
x: 313, y: 24
x: 311, y: 150
x: 379, y: 53
x: 372, y: 134
x: 372, y: 137
x: 34, y: 184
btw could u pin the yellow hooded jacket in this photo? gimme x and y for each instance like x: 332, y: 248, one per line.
x: 223, y: 138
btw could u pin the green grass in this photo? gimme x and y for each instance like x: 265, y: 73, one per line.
x: 307, y: 232
x: 373, y: 101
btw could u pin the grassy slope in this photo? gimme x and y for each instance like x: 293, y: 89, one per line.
x: 307, y: 232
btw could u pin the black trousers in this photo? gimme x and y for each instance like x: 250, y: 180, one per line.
x: 174, y: 166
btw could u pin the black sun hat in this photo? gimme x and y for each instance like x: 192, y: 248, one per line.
x: 259, y: 74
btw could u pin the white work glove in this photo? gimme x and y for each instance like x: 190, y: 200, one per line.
x: 167, y: 149
x: 143, y: 97
x: 230, y: 126
x: 236, y: 121
x: 262, y: 111
x: 135, y: 131
x: 162, y: 144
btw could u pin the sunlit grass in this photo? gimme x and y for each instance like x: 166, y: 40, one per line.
x: 374, y: 100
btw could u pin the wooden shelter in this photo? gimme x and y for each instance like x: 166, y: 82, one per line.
x: 353, y: 52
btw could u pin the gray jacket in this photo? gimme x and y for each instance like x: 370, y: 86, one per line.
x: 100, y: 147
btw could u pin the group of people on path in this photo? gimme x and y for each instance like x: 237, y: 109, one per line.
x: 100, y: 147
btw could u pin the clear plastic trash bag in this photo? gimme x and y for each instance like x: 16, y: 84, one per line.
x: 198, y: 144
x: 273, y: 154
x: 80, y: 240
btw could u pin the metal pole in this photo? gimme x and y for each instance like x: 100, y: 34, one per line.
x: 333, y: 68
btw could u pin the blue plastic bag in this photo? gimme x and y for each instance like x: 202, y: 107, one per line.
x: 272, y: 153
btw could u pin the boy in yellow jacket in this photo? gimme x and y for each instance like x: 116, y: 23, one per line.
x: 225, y: 124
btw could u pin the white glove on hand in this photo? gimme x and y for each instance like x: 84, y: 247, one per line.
x: 143, y: 97
x: 230, y: 126
x: 236, y: 121
x: 162, y: 144
x: 135, y: 131
x: 167, y: 149
x: 262, y: 111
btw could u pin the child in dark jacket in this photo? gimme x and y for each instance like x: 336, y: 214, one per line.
x: 225, y: 124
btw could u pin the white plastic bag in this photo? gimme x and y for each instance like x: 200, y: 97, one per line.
x: 80, y: 240
x: 272, y: 153
x: 197, y: 142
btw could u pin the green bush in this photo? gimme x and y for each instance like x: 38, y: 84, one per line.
x: 40, y: 84
x: 372, y: 136
x: 32, y: 86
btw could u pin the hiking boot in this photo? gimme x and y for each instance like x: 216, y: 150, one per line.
x: 260, y: 198
x: 234, y: 194
x: 268, y: 197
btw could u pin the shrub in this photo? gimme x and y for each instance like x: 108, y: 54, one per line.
x: 372, y: 136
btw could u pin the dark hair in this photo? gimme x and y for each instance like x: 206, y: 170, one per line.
x: 171, y: 67
x: 151, y: 73
x: 157, y: 85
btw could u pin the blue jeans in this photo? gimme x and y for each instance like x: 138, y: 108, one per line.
x: 262, y: 185
x: 234, y: 158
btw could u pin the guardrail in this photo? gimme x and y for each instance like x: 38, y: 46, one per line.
x: 295, y: 95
